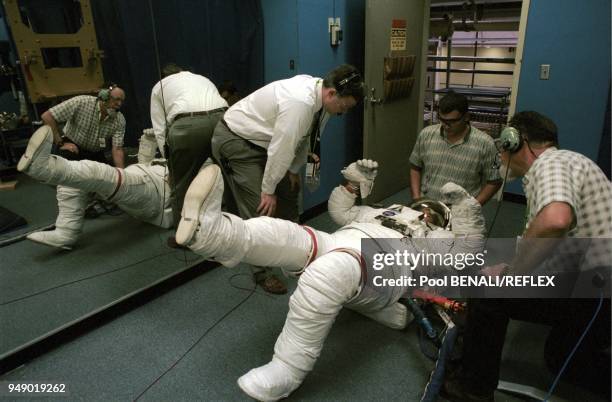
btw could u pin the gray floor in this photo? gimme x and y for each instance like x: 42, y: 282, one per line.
x: 43, y: 289
x: 33, y: 201
x: 194, y: 342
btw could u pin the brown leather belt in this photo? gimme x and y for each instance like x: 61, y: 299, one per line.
x: 202, y: 113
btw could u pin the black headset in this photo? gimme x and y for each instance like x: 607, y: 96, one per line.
x: 105, y: 93
x: 510, y: 139
x: 342, y: 85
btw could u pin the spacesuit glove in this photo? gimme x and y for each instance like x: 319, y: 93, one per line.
x: 361, y: 174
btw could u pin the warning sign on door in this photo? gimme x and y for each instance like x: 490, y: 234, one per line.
x: 398, y: 35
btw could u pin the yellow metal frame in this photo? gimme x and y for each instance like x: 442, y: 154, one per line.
x: 45, y: 84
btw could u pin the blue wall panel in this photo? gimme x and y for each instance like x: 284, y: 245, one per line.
x: 280, y: 38
x: 574, y: 38
x: 297, y: 29
x: 341, y: 143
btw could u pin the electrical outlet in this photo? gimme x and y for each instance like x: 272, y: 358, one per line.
x: 544, y: 71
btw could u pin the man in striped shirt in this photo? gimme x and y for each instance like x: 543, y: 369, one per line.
x: 454, y: 151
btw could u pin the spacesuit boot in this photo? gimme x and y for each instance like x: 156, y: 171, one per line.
x: 71, y: 203
x: 34, y: 159
x: 324, y: 287
x: 147, y: 147
x: 271, y: 382
x: 228, y: 239
x: 202, y: 207
x: 203, y: 227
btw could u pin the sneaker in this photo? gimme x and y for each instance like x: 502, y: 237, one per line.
x: 270, y: 283
x: 205, y: 191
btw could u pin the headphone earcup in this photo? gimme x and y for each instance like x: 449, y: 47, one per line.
x: 104, y: 95
x: 510, y: 139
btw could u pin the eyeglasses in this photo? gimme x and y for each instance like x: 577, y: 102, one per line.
x: 450, y: 122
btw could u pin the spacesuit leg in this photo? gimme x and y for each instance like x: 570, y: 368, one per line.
x: 85, y: 175
x: 324, y: 287
x: 144, y: 194
x: 229, y: 239
x: 71, y: 203
x: 395, y: 316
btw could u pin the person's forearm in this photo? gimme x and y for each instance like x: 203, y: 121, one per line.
x: 48, y: 119
x: 415, y: 183
x: 544, y: 234
x: 118, y: 157
x: 487, y: 191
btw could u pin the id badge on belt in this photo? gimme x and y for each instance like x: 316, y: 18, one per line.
x: 102, y: 142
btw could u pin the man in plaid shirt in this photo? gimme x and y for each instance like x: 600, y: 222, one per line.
x: 90, y: 121
x: 568, y: 196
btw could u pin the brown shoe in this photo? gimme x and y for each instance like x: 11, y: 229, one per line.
x: 455, y: 392
x: 270, y: 283
x: 171, y: 242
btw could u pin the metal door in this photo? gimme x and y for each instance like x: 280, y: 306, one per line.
x: 391, y: 125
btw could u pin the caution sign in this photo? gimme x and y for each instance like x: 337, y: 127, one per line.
x: 398, y: 35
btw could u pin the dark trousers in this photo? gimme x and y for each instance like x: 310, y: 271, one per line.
x: 485, y: 333
x: 243, y: 164
x: 189, y: 147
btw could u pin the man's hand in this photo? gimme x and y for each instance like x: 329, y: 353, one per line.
x: 362, y: 173
x: 314, y: 158
x: 267, y: 206
x: 294, y: 179
x: 71, y: 147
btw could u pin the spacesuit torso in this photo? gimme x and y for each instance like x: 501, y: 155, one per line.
x: 383, y: 226
x: 145, y: 194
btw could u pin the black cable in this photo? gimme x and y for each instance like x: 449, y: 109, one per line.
x: 165, y: 151
x: 569, y: 357
x: 498, y: 204
x: 223, y: 317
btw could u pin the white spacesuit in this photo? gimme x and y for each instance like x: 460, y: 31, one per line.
x: 331, y: 269
x: 141, y: 190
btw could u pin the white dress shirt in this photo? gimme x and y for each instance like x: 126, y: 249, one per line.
x: 278, y: 117
x: 183, y: 92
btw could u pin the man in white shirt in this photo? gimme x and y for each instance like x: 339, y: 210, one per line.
x: 263, y: 141
x: 185, y: 109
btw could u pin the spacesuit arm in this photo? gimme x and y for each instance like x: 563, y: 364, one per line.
x: 342, y: 208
